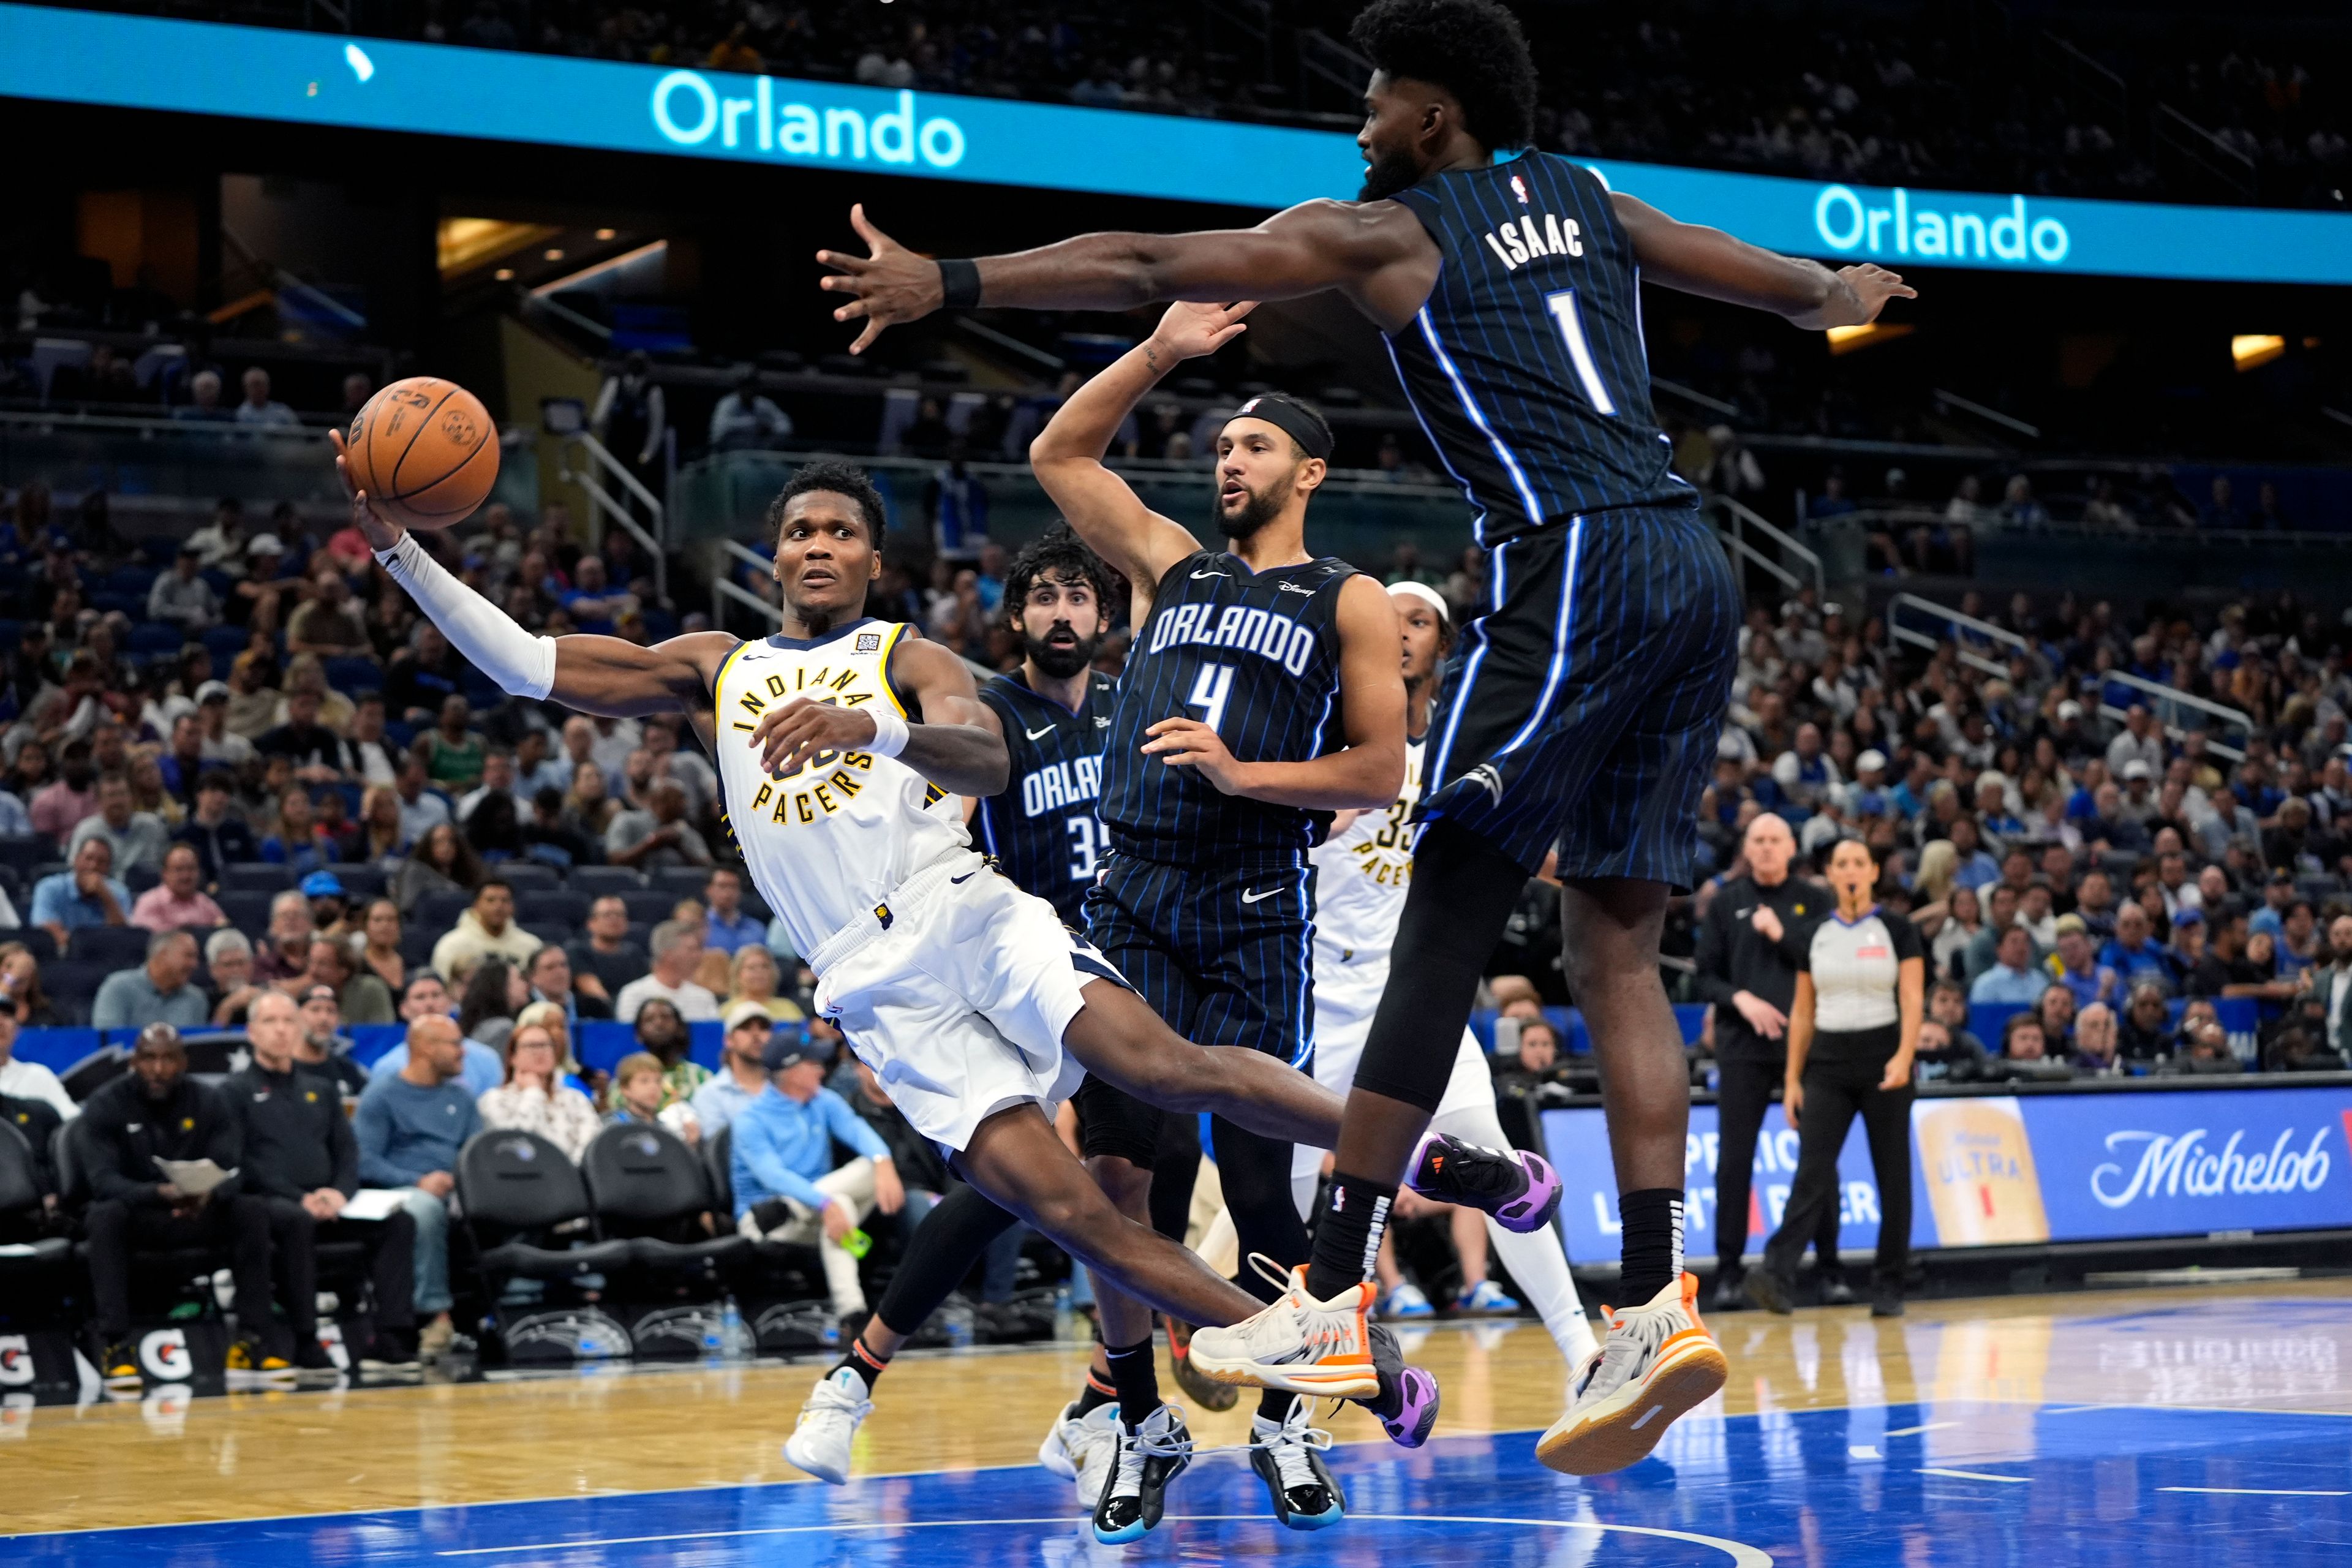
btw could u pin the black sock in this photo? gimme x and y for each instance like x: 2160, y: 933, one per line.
x: 1652, y: 1247
x: 1095, y: 1395
x: 1137, y: 1377
x: 1274, y: 1405
x: 1350, y: 1234
x: 863, y: 1361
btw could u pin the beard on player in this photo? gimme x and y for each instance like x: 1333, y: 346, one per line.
x: 1061, y: 652
x: 1387, y: 174
x: 1255, y: 508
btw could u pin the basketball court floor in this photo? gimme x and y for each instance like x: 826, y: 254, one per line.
x: 2142, y: 1430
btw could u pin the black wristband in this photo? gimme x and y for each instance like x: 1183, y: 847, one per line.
x: 960, y: 284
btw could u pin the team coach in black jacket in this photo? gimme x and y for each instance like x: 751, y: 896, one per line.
x: 1746, y: 966
x: 158, y: 1111
x: 300, y: 1166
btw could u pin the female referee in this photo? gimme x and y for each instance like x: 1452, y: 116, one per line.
x: 1853, y: 1032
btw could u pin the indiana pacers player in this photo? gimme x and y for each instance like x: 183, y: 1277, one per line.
x: 844, y: 742
x: 1361, y: 873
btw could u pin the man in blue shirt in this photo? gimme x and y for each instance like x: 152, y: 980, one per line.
x: 410, y: 1124
x: 2135, y: 955
x: 727, y: 928
x: 787, y: 1187
x: 743, y: 1075
x: 2015, y: 979
x: 86, y: 896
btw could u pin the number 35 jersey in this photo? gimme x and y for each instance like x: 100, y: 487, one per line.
x: 1255, y: 656
x: 1362, y: 876
x: 1043, y: 830
x: 830, y: 840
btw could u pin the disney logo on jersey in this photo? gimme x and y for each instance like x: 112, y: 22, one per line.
x: 826, y: 783
x: 1534, y: 237
x: 2181, y: 1166
x: 1246, y: 628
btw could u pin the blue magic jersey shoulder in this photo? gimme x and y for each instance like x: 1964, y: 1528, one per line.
x: 1041, y: 829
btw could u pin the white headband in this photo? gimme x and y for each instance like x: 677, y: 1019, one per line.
x: 1435, y: 600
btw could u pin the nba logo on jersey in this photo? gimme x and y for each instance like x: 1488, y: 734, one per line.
x: 1520, y: 186
x: 869, y: 642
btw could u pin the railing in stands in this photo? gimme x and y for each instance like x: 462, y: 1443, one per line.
x: 2168, y: 705
x: 611, y: 508
x: 1737, y: 521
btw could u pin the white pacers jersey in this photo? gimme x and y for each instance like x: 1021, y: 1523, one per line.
x: 828, y: 844
x: 1360, y: 878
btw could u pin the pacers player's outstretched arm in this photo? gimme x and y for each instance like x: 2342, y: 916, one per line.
x: 952, y: 743
x: 1365, y: 775
x: 1376, y: 253
x: 597, y: 675
x: 1706, y: 262
x: 1067, y: 454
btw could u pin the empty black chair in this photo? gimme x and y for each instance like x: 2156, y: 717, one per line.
x: 416, y: 946
x: 562, y: 908
x: 648, y: 1187
x: 111, y: 947
x: 528, y: 875
x: 256, y: 876
x: 436, y: 912
x: 717, y: 1166
x: 247, y: 911
x: 73, y: 986
x: 594, y: 881
x: 361, y: 880
x: 22, y: 1218
x: 37, y: 942
x: 681, y: 881
x: 650, y: 905
x: 140, y: 878
x: 517, y: 1189
x: 26, y: 850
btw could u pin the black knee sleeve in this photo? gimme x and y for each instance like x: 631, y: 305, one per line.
x: 1113, y: 1123
x: 941, y: 1252
x: 1175, y: 1165
x: 1464, y: 890
x: 1254, y: 1172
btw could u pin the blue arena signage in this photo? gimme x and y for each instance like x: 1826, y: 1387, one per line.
x: 141, y: 62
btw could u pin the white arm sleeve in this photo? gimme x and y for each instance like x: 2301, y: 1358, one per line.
x: 522, y: 665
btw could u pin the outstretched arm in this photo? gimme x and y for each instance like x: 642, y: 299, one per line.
x: 595, y: 674
x: 1368, y: 774
x: 955, y: 745
x: 1066, y: 456
x: 1706, y: 262
x: 1301, y: 251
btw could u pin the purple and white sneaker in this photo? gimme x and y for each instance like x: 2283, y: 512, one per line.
x: 1521, y: 1190
x: 1411, y: 1390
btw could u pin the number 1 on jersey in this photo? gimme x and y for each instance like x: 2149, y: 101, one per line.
x: 1211, y: 688
x: 1562, y: 306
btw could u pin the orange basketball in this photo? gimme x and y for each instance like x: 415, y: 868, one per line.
x: 424, y: 451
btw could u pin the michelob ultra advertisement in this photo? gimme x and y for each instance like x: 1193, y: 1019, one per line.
x: 1995, y: 1171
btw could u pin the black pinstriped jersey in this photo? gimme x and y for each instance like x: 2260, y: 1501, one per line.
x: 1526, y: 365
x: 1256, y: 656
x: 1043, y: 830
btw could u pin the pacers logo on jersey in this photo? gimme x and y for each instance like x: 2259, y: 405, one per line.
x: 828, y: 780
x: 1387, y: 855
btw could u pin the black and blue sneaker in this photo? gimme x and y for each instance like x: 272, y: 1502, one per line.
x: 1149, y: 1457
x: 1288, y: 1458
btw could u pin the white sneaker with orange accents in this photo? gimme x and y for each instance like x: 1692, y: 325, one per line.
x: 1298, y: 1345
x: 1657, y: 1364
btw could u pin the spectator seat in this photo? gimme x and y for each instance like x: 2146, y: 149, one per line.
x: 248, y: 909
x: 108, y: 947
x: 650, y: 905
x: 436, y: 912
x: 36, y: 940
x: 350, y: 674
x: 416, y: 946
x: 256, y: 876
x: 647, y: 1188
x: 25, y: 852
x: 160, y: 638
x: 516, y: 1189
x: 560, y: 907
x: 21, y: 1216
x: 224, y: 642
x: 141, y: 878
x: 529, y: 875
x: 73, y: 986
x: 598, y: 881
x: 360, y: 878
x: 681, y: 881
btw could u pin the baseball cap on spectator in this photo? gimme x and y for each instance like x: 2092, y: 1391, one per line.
x: 1728, y: 750
x: 2137, y: 770
x: 264, y: 544
x: 212, y: 691
x: 2070, y: 924
x: 790, y: 1046
x: 743, y: 1013
x: 321, y: 993
x: 2070, y: 709
x: 2189, y: 915
x: 1871, y: 761
x: 322, y: 885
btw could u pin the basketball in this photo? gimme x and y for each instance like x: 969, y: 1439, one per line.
x: 426, y: 452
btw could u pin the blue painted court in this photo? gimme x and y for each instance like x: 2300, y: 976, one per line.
x: 1961, y: 1484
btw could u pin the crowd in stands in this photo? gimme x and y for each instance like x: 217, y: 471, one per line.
x: 1907, y: 95
x: 2098, y: 883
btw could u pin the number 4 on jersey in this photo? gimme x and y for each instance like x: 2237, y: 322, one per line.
x: 1211, y: 688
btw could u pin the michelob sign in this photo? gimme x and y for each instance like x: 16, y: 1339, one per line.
x: 2016, y: 1169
